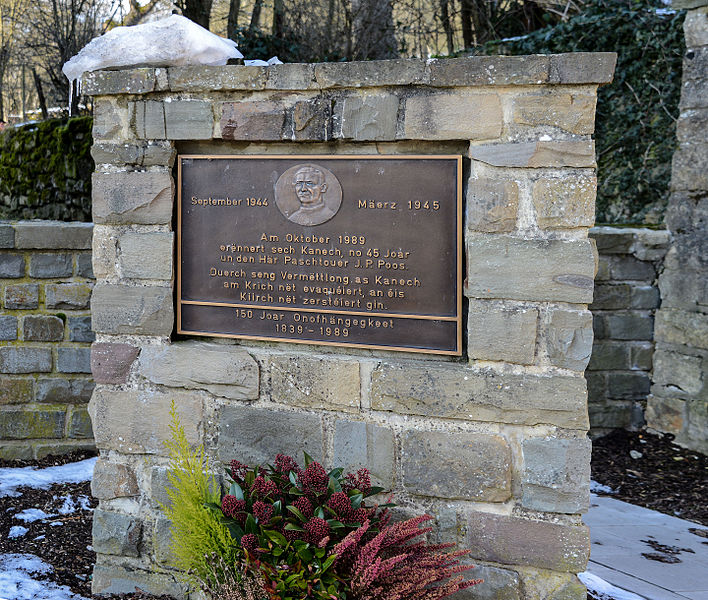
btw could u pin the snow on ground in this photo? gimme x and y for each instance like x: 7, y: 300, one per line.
x: 17, y: 580
x: 599, y: 488
x: 17, y: 531
x: 13, y: 478
x: 30, y: 515
x: 600, y: 589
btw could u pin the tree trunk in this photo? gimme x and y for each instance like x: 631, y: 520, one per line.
x: 278, y: 19
x: 447, y: 26
x: 466, y: 11
x: 256, y: 15
x: 40, y: 94
x: 232, y: 21
x: 374, y: 32
x: 198, y: 11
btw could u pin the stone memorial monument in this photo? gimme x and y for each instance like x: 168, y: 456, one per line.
x: 384, y: 264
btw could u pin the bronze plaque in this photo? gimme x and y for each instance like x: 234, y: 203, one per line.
x: 361, y: 251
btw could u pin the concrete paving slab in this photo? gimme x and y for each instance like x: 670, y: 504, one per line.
x: 622, y: 534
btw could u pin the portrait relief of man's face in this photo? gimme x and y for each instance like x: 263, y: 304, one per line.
x: 308, y: 194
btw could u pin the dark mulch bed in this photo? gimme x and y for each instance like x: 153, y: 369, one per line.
x: 665, y: 478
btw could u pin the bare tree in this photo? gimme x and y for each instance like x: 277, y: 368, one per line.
x: 198, y: 11
x: 373, y: 30
x: 11, y: 13
x: 232, y: 20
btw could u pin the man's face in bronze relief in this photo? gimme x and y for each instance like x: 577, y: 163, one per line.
x: 310, y: 187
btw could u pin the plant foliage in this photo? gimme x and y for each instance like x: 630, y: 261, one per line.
x: 45, y: 170
x: 636, y: 114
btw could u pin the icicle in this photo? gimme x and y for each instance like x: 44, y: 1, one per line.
x: 71, y: 94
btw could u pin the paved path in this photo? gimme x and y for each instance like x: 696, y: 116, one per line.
x: 623, y: 534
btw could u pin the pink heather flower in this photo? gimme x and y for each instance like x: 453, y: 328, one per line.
x: 230, y: 505
x: 314, y: 479
x: 262, y: 511
x: 238, y: 470
x: 249, y: 542
x: 304, y: 506
x: 339, y: 502
x: 284, y: 464
x: 316, y: 529
x: 264, y: 487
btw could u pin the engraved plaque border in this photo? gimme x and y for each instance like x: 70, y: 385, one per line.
x: 457, y: 319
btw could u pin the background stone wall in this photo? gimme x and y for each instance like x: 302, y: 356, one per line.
x: 493, y: 444
x: 626, y: 298
x: 679, y: 397
x: 45, y: 336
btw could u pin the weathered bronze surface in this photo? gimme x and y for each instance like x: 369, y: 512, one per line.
x: 358, y: 251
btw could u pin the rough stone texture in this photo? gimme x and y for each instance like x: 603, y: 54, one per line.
x: 536, y: 154
x: 438, y: 117
x: 358, y: 445
x: 80, y: 329
x: 12, y: 266
x: 563, y: 270
x: 8, y: 328
x: 113, y: 480
x: 40, y: 328
x: 7, y: 236
x: 55, y: 390
x: 583, y: 67
x: 70, y: 296
x: 574, y: 113
x: 74, y: 360
x: 14, y: 390
x: 565, y: 203
x: 132, y: 197
x: 146, y: 255
x: 256, y: 435
x: 511, y: 540
x: 556, y: 475
x: 448, y: 391
x: 80, y: 424
x: 125, y: 309
x: 21, y: 296
x: 116, y: 533
x: 25, y: 359
x: 224, y: 79
x: 161, y: 542
x: 323, y: 383
x: 226, y: 371
x: 20, y: 423
x: 497, y: 584
x: 115, y: 579
x: 358, y: 74
x: 137, y: 421
x: 369, y: 117
x: 310, y: 120
x: 188, y: 120
x: 110, y: 363
x: 569, y: 339
x: 499, y: 332
x: 53, y: 235
x: 252, y: 121
x: 492, y: 205
x: 470, y: 466
x: 45, y: 266
x: 133, y: 81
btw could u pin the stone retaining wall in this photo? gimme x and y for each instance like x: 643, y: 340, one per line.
x: 494, y: 444
x: 626, y: 298
x: 45, y: 336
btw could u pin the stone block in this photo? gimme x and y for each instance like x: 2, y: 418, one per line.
x: 188, y: 120
x: 8, y: 328
x: 162, y: 542
x: 315, y: 383
x: 361, y: 74
x: 159, y: 484
x: 536, y: 154
x: 118, y: 154
x: 644, y: 297
x: 136, y: 197
x: 84, y: 268
x: 113, y: 480
x: 218, y: 79
x: 110, y: 363
x: 369, y: 117
x: 70, y: 296
x: 365, y: 445
x: 256, y: 435
x: 680, y: 375
x: 642, y: 356
x: 227, y: 371
x: 629, y: 326
x: 492, y: 205
x: 603, y: 269
x: 540, y: 270
x: 628, y: 268
x: 45, y: 266
x: 149, y: 119
x: 105, y: 252
x: 297, y: 76
x: 628, y: 386
x: 74, y: 360
x: 80, y: 329
x: 439, y: 117
x: 146, y: 255
x: 457, y: 392
x: 692, y: 95
x: 53, y: 235
x: 469, y: 466
x: 613, y: 241
x: 679, y: 327
x: 14, y: 390
x: 111, y: 121
x: 55, y: 390
x: 597, y: 386
x: 511, y: 540
x: 32, y: 423
x: 310, y: 120
x: 688, y: 167
x: 114, y: 579
x: 159, y: 154
x: 12, y: 266
x: 497, y: 584
x: 551, y: 585
x: 611, y: 296
x: 252, y: 120
x: 22, y: 296
x: 683, y: 289
x: 583, y: 67
x: 569, y: 339
x: 489, y: 70
x: 58, y: 448
x: 666, y: 414
x: 126, y: 81
x: 23, y: 359
x: 42, y: 328
x: 565, y: 203
x: 132, y: 310
x: 501, y: 332
x: 556, y: 475
x: 137, y: 422
x: 695, y: 28
x: 16, y: 451
x: 574, y: 113
x: 80, y: 424
x: 609, y: 356
x: 116, y: 533
x: 7, y: 236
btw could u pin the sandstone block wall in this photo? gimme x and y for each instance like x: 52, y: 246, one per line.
x: 493, y: 444
x: 626, y: 298
x: 45, y: 337
x: 679, y: 397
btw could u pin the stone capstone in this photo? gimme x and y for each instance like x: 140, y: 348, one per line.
x: 49, y: 235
